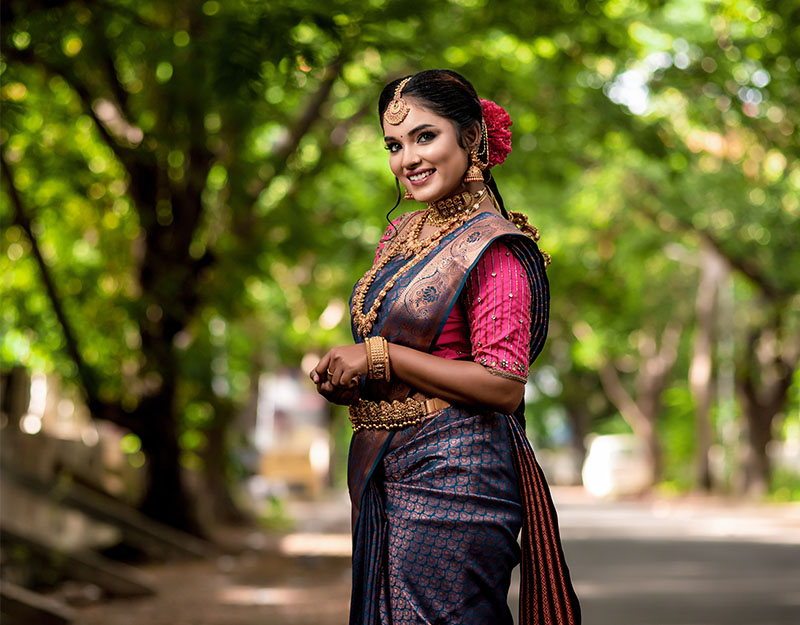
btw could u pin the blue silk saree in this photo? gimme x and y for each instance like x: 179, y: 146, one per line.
x: 438, y: 506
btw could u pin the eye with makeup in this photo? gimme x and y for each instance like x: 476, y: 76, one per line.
x: 423, y: 137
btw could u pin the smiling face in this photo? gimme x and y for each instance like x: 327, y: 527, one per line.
x: 425, y: 155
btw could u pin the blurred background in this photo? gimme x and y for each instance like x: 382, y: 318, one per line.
x: 189, y: 192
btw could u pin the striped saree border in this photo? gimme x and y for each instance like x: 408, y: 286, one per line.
x: 547, y: 596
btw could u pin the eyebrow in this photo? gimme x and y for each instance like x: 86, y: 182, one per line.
x: 413, y: 131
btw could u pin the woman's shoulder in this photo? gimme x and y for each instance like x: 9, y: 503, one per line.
x: 492, y: 225
x: 515, y: 235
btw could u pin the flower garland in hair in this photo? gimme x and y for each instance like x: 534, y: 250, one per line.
x: 498, y: 134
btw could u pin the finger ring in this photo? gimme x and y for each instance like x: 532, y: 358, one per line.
x: 329, y: 372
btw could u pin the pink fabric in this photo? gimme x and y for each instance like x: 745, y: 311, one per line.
x: 491, y: 321
x: 493, y: 313
x: 388, y: 234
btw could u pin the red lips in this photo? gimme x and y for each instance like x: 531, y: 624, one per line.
x: 420, y: 171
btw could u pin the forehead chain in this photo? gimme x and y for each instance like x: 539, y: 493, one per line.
x: 398, y: 108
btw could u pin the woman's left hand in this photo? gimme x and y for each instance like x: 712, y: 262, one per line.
x: 340, y: 367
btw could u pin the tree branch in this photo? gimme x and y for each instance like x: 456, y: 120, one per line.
x: 303, y: 124
x: 98, y: 408
x: 127, y: 12
x: 127, y: 156
x: 628, y: 408
x: 748, y: 269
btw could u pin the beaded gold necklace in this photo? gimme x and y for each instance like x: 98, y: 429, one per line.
x: 414, y: 249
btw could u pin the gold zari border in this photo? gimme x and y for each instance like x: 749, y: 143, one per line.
x: 506, y: 374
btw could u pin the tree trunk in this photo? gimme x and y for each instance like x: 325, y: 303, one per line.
x: 578, y: 417
x: 712, y: 272
x: 763, y: 385
x: 166, y: 498
x: 642, y: 413
x: 756, y: 467
x: 634, y: 416
x: 221, y: 505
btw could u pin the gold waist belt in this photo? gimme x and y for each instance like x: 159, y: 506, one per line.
x: 384, y: 415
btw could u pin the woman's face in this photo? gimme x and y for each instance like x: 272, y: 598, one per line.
x: 425, y: 155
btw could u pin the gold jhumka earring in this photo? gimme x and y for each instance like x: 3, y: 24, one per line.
x: 479, y: 157
x: 474, y: 173
x: 407, y: 195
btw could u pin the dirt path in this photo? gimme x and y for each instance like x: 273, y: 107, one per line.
x: 302, y: 578
x: 251, y: 589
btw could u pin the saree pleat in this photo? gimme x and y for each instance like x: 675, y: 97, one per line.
x: 452, y: 519
x: 369, y: 547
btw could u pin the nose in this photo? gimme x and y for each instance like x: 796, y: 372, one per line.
x: 410, y: 159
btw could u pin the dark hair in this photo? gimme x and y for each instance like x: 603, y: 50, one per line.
x: 444, y: 92
x: 450, y: 95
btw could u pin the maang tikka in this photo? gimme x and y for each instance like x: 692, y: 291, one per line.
x: 398, y: 108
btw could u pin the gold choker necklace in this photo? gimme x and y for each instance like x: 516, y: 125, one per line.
x: 442, y: 212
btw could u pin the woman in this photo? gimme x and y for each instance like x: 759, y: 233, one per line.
x: 446, y: 323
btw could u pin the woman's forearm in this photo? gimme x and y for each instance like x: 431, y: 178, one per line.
x: 457, y: 381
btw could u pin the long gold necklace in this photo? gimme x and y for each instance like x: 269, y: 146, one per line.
x: 414, y: 249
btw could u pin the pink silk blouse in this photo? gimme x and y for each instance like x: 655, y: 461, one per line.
x: 491, y: 321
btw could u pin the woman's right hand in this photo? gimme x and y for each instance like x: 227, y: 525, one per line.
x: 336, y: 374
x: 338, y: 394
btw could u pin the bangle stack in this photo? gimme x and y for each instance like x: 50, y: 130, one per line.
x: 377, y: 358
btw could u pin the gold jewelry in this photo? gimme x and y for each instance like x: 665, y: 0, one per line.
x: 383, y: 415
x: 377, y: 358
x: 376, y: 347
x: 520, y: 220
x: 369, y: 358
x: 329, y: 372
x: 407, y: 195
x: 413, y: 249
x: 398, y: 108
x: 386, y: 369
x: 475, y: 171
x: 443, y: 211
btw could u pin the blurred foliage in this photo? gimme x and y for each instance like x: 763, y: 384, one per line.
x: 641, y: 129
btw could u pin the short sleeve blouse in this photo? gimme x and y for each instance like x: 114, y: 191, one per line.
x: 491, y: 321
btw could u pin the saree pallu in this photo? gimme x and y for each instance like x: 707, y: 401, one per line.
x: 437, y: 506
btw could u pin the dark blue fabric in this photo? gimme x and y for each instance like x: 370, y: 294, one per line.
x: 436, y: 537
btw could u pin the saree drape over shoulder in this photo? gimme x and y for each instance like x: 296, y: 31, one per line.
x: 438, y: 506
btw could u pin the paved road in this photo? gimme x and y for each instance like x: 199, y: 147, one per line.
x: 641, y: 563
x: 690, y: 563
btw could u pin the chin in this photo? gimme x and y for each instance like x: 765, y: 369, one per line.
x: 433, y: 194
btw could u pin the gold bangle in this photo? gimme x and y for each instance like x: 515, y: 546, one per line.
x: 386, y: 371
x: 377, y: 358
x: 369, y: 358
x: 376, y: 371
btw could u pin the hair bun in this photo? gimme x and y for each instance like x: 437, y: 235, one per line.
x: 498, y: 134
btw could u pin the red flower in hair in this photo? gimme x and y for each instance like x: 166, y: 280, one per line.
x: 497, y: 130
